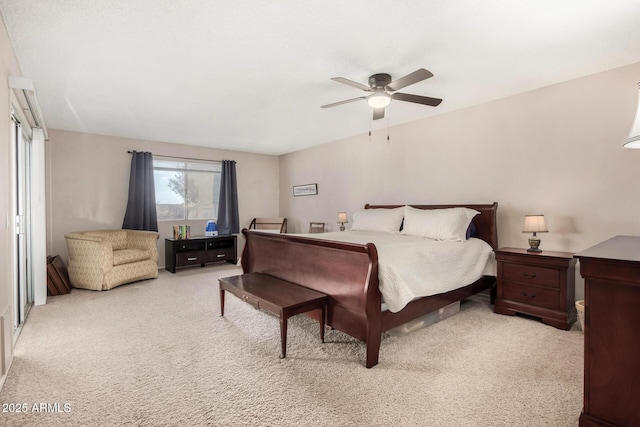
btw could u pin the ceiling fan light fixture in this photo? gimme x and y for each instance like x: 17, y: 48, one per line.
x: 382, y: 90
x: 379, y: 99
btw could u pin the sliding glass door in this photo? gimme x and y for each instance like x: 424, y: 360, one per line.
x: 23, y: 270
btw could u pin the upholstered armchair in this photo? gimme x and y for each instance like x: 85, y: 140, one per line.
x: 103, y: 259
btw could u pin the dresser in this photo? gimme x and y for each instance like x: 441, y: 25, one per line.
x: 199, y: 251
x: 539, y: 284
x: 611, y: 272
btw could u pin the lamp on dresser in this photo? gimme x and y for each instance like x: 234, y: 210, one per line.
x: 534, y: 224
x: 633, y: 141
x: 342, y: 220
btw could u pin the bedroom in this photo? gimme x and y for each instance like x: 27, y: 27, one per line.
x: 556, y: 149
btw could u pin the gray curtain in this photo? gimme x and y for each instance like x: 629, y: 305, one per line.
x: 228, y: 220
x: 141, y: 207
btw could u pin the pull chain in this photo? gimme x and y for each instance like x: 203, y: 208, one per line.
x: 387, y: 124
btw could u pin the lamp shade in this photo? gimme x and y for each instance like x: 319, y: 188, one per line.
x: 534, y: 224
x: 379, y: 99
x: 342, y: 217
x: 634, y: 136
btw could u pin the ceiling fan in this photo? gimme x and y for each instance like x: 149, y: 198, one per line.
x: 383, y: 89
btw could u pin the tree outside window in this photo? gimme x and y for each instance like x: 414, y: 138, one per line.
x: 186, y: 190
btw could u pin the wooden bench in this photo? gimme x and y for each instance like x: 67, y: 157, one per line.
x: 276, y: 296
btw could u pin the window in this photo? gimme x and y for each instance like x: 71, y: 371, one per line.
x: 186, y: 189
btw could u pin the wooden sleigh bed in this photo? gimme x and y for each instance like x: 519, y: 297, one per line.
x: 348, y: 273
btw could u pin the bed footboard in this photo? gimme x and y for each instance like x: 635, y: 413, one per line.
x: 347, y: 272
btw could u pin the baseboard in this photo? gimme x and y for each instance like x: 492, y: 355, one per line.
x: 5, y: 375
x: 6, y: 344
x: 3, y: 353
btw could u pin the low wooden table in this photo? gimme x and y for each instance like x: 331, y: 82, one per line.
x: 279, y: 297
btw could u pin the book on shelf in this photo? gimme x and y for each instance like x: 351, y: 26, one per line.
x: 181, y: 232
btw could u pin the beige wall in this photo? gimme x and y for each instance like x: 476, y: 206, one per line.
x: 88, y: 184
x: 556, y: 151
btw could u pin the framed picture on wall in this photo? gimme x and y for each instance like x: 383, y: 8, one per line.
x: 305, y: 190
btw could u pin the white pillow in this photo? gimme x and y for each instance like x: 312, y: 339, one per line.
x: 381, y: 219
x: 438, y: 224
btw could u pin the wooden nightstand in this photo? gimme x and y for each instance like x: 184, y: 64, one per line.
x: 537, y: 284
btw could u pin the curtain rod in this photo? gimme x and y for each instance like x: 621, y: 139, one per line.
x: 184, y: 158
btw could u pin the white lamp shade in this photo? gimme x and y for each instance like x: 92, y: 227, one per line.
x: 634, y: 136
x: 534, y: 224
x: 342, y: 217
x: 379, y: 99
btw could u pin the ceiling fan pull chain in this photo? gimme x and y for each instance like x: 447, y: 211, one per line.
x: 387, y: 126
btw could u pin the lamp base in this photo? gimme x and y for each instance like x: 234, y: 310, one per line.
x: 534, y: 242
x: 341, y: 226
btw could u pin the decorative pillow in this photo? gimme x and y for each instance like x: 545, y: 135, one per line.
x: 472, y: 231
x: 381, y: 219
x: 438, y: 224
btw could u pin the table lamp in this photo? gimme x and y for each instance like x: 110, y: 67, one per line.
x: 534, y: 224
x: 633, y: 141
x: 342, y: 219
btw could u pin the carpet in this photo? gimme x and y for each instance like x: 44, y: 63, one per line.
x: 157, y: 353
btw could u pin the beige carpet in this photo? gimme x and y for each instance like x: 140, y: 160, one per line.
x: 157, y: 353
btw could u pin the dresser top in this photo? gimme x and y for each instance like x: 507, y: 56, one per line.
x: 543, y: 254
x: 623, y: 248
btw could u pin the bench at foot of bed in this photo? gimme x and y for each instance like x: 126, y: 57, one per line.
x: 275, y: 296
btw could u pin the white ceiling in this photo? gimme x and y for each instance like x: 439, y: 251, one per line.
x: 251, y: 75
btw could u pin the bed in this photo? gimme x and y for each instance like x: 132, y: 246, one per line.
x: 349, y: 273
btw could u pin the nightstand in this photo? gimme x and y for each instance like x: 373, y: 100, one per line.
x: 537, y: 284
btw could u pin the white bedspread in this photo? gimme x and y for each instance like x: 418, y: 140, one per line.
x: 410, y: 267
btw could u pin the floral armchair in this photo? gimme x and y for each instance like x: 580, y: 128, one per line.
x: 103, y: 259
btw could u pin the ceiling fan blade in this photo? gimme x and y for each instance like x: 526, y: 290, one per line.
x: 409, y: 79
x: 425, y: 100
x: 343, y: 102
x: 352, y: 83
x: 378, y: 113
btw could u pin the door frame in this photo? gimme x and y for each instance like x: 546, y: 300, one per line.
x: 35, y: 217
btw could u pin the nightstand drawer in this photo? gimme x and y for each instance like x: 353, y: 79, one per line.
x: 533, y: 275
x: 189, y: 245
x: 189, y: 258
x: 220, y: 254
x: 220, y: 243
x: 532, y: 295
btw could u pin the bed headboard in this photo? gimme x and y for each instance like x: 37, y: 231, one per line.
x: 486, y: 222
